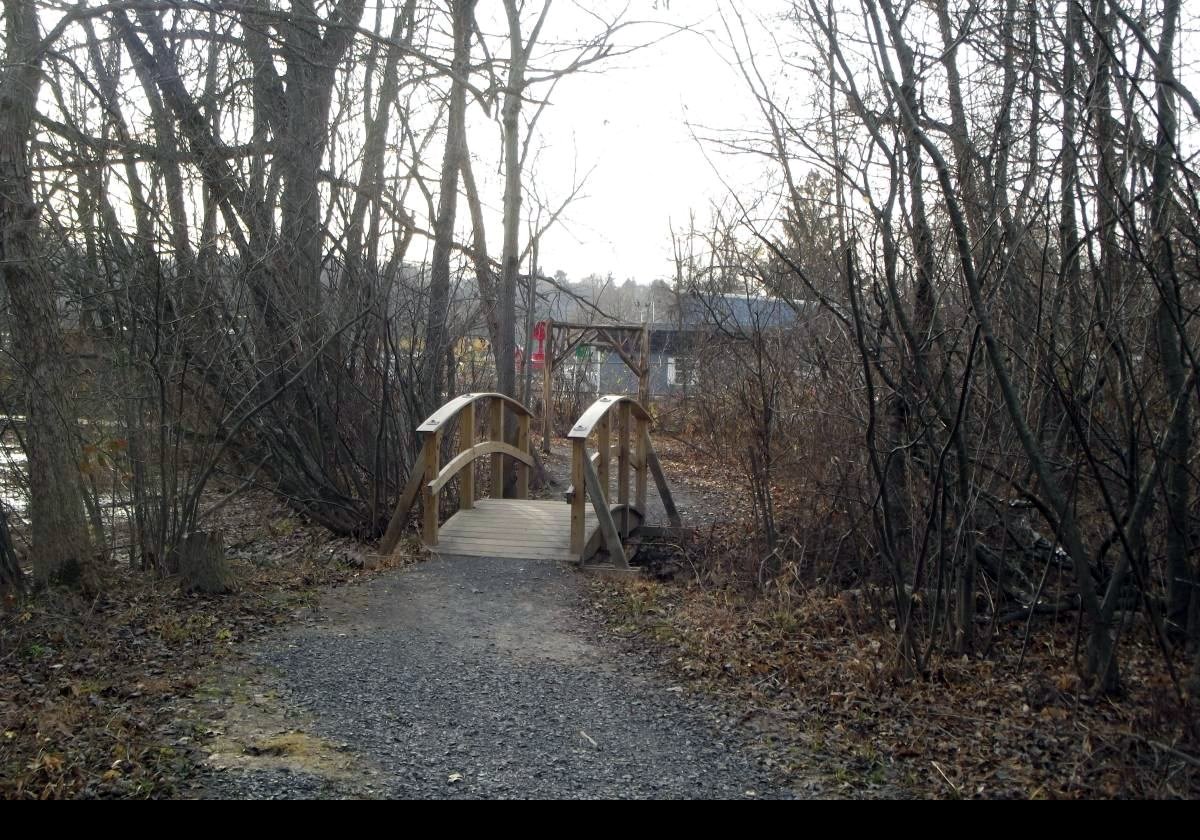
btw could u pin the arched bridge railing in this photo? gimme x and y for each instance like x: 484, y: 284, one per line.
x: 623, y: 420
x: 436, y: 477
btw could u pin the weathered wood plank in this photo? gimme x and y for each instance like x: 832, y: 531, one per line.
x: 569, y: 493
x: 526, y: 461
x: 429, y: 498
x: 416, y: 480
x: 487, y: 447
x: 642, y: 435
x: 558, y: 555
x: 664, y: 490
x: 612, y: 540
x: 532, y: 530
x: 438, y: 420
x: 476, y: 548
x: 586, y: 424
x: 624, y: 418
x: 604, y: 455
x: 496, y: 435
x: 625, y: 357
x: 578, y: 498
x: 466, y: 442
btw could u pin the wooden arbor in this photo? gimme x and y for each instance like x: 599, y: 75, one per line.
x: 436, y: 477
x: 629, y: 341
x: 591, y: 475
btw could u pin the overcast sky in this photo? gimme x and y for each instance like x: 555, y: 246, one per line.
x: 630, y: 121
x: 634, y: 121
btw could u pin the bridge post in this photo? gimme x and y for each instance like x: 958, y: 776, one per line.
x: 579, y: 498
x: 466, y: 440
x: 429, y: 500
x: 604, y: 451
x: 643, y: 463
x: 523, y: 445
x: 496, y: 434
x: 623, y: 420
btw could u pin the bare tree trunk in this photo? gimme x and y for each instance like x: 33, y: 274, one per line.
x: 312, y: 61
x: 202, y: 565
x: 530, y: 318
x: 439, y: 283
x: 11, y: 577
x: 370, y: 181
x: 484, y: 276
x: 1169, y: 321
x: 510, y: 121
x: 61, y: 543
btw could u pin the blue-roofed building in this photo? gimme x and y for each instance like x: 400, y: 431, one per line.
x: 692, y: 322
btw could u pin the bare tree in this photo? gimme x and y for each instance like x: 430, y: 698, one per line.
x: 1013, y: 288
x: 462, y: 14
x: 61, y: 544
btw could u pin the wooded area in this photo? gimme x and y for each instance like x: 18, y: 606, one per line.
x: 977, y: 419
x: 1001, y: 233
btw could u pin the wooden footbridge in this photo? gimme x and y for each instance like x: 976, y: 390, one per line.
x: 601, y: 511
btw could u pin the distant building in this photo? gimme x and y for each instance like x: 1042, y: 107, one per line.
x: 692, y: 321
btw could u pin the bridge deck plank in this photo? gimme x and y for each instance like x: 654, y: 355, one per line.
x: 527, y: 529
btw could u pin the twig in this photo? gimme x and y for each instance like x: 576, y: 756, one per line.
x: 1194, y: 761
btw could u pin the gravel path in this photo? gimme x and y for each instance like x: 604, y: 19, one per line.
x: 478, y: 678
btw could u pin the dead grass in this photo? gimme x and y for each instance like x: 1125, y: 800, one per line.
x: 819, y: 678
x: 93, y: 690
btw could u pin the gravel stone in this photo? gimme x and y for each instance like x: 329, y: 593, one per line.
x: 477, y: 678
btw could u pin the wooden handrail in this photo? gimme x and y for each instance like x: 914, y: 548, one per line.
x: 598, y: 410
x: 443, y: 415
x: 467, y: 456
x: 435, y: 477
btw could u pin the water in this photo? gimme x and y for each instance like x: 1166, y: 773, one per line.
x: 105, y: 474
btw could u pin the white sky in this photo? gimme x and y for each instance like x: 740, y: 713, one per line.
x: 630, y: 120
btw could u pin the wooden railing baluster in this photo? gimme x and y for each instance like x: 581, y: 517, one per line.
x: 605, y: 453
x: 522, y: 468
x: 579, y: 497
x: 466, y: 440
x: 496, y: 435
x: 642, y: 434
x: 429, y: 499
x: 625, y: 413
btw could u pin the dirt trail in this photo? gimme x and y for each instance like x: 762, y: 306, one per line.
x: 471, y: 678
